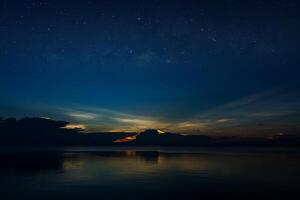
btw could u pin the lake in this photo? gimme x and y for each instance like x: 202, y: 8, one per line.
x: 149, y: 173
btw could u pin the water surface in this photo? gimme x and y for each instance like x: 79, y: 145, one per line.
x: 149, y: 173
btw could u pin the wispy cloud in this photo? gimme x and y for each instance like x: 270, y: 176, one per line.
x: 82, y: 115
x: 194, y: 126
x: 266, y: 114
x: 141, y: 123
x: 224, y: 120
x: 103, y: 119
x: 268, y: 111
x: 261, y: 113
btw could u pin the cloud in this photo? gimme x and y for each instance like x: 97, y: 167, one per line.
x: 224, y: 120
x: 103, y: 119
x: 268, y: 111
x: 137, y: 122
x: 82, y: 115
x: 189, y: 126
x: 116, y: 121
x: 261, y: 113
x: 265, y: 114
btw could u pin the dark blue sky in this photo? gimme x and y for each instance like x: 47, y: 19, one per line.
x: 218, y: 67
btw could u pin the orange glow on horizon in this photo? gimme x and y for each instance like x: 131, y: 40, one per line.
x: 126, y: 139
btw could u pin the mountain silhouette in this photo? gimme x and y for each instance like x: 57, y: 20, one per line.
x: 41, y: 131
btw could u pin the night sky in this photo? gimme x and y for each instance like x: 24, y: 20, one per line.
x: 226, y: 67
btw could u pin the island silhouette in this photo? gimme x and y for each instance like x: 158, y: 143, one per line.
x: 39, y: 131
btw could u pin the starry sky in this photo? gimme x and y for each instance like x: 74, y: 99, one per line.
x: 226, y: 67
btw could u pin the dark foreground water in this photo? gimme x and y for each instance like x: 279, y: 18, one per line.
x: 149, y: 173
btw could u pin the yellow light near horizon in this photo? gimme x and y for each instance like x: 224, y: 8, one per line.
x: 160, y: 131
x: 75, y: 126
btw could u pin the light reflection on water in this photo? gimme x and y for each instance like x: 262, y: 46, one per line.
x: 151, y: 173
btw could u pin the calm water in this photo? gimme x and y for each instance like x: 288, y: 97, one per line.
x: 149, y: 173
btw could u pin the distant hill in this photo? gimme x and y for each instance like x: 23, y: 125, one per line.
x: 42, y: 131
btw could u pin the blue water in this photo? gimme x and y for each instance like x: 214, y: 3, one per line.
x: 149, y: 173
